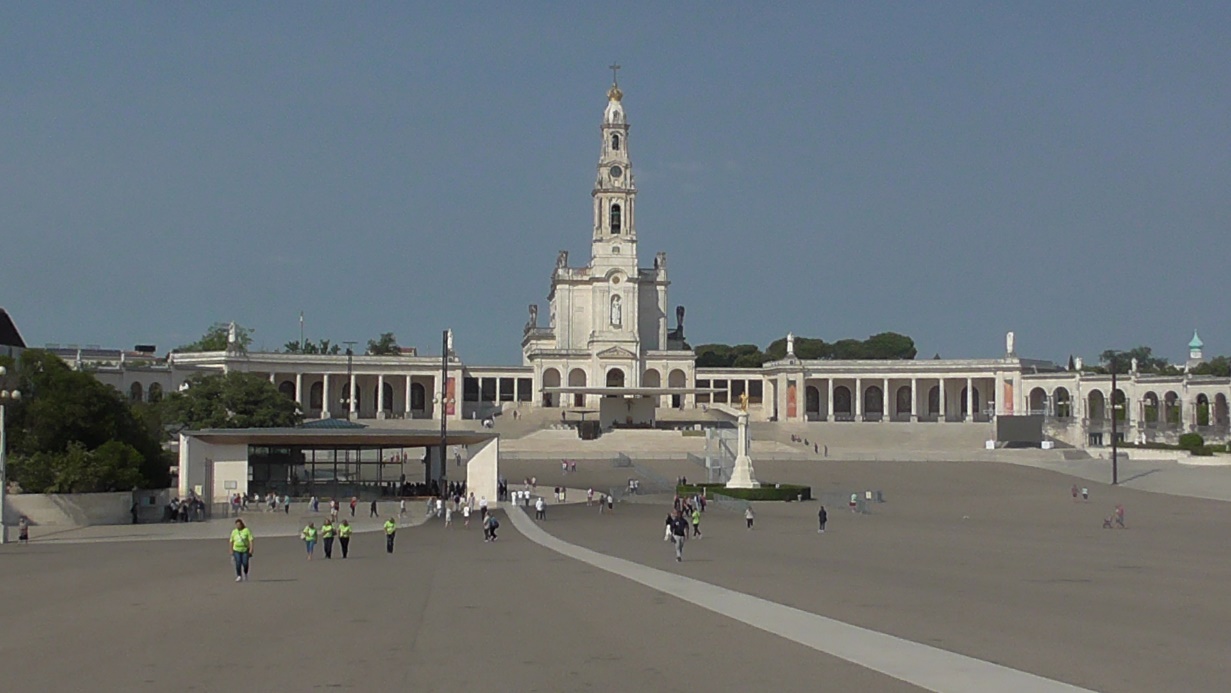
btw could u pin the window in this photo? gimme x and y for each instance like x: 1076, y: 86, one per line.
x: 506, y: 389
x: 615, y: 218
x: 488, y: 390
x: 615, y: 142
x: 703, y: 397
x: 470, y: 390
x: 525, y: 388
x: 755, y: 392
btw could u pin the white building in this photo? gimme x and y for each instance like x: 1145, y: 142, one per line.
x: 607, y: 349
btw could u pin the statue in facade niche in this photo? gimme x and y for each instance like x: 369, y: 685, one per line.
x: 617, y: 313
x: 534, y: 316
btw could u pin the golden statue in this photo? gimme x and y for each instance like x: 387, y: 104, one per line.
x: 743, y: 401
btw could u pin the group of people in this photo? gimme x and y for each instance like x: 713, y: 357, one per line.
x: 329, y: 531
x: 191, y: 509
x: 567, y: 466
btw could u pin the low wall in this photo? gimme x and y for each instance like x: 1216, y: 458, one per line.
x: 82, y: 509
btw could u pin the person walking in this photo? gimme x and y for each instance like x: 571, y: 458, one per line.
x: 354, y: 501
x: 448, y: 516
x: 344, y: 537
x: 309, y: 539
x: 23, y: 530
x: 402, y: 508
x: 1085, y: 493
x: 316, y: 504
x: 822, y: 517
x: 465, y: 515
x: 748, y: 516
x: 679, y: 532
x: 491, y: 524
x: 241, y: 549
x: 286, y: 504
x: 540, y: 509
x: 327, y: 530
x: 391, y: 529
x: 696, y: 522
x: 372, y: 510
x: 667, y: 528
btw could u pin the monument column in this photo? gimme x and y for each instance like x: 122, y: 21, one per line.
x: 943, y: 414
x: 781, y: 396
x: 325, y: 401
x: 380, y: 396
x: 970, y: 398
x: 352, y: 401
x: 829, y: 405
x: 885, y: 409
x: 858, y: 399
x: 299, y: 391
x: 800, y: 391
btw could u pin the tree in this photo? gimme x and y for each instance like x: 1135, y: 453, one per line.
x: 385, y: 345
x: 114, y: 466
x: 309, y: 347
x: 62, y: 410
x: 1147, y: 362
x: 215, y: 339
x: 234, y: 400
x: 889, y: 345
x: 1219, y: 366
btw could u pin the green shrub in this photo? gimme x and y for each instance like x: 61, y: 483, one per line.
x: 1203, y: 451
x: 1191, y: 441
x: 767, y: 492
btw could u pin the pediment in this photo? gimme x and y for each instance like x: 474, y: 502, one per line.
x: 616, y: 353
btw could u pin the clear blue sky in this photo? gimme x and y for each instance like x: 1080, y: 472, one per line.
x: 946, y: 170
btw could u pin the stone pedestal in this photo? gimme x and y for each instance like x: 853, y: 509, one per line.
x: 743, y: 476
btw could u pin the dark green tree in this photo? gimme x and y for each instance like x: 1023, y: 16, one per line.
x: 234, y: 400
x: 62, y: 410
x: 1219, y: 366
x: 215, y: 339
x: 385, y: 345
x: 889, y: 345
x: 1147, y: 362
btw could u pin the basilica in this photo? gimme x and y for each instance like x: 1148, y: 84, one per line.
x: 609, y: 353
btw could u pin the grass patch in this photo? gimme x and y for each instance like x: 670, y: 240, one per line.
x: 767, y: 492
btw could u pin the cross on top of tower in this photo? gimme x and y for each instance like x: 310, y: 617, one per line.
x: 614, y: 67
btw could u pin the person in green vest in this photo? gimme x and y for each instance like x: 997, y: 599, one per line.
x: 327, y: 536
x: 241, y: 549
x: 391, y: 528
x: 309, y: 538
x: 696, y: 522
x: 344, y: 537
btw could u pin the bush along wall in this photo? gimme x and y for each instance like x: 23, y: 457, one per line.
x: 766, y: 492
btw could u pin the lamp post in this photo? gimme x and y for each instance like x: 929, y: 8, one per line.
x: 444, y: 413
x: 1115, y: 468
x: 5, y: 397
x: 350, y: 378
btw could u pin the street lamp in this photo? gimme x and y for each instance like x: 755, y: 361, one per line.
x: 444, y: 414
x: 1115, y: 460
x: 350, y: 378
x: 5, y: 397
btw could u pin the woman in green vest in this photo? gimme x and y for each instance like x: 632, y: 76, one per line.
x: 327, y: 535
x: 391, y: 529
x: 309, y: 538
x: 241, y: 549
x: 344, y: 537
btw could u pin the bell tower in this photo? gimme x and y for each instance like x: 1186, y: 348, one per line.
x: 615, y: 215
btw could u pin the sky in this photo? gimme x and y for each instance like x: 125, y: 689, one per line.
x: 947, y: 170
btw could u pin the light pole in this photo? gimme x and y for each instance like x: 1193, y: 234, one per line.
x: 444, y: 414
x: 350, y: 378
x: 1115, y: 460
x: 5, y: 397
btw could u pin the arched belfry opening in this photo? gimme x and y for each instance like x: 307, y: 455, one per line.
x: 616, y: 220
x: 615, y: 143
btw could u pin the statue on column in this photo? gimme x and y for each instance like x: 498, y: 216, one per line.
x: 1077, y: 364
x: 1133, y: 366
x: 790, y: 343
x: 534, y: 316
x: 449, y: 341
x: 232, y: 333
x: 1008, y: 344
x: 562, y: 259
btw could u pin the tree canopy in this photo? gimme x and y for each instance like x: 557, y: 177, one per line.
x: 1219, y: 366
x: 323, y: 346
x: 72, y: 433
x: 385, y: 345
x: 234, y: 400
x: 886, y: 345
x: 1122, y: 361
x: 215, y: 339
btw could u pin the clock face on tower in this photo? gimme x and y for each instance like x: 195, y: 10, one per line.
x: 616, y: 171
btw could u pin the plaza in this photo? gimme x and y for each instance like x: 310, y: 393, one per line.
x: 990, y: 561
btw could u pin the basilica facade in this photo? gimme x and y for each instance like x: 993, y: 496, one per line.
x: 607, y: 349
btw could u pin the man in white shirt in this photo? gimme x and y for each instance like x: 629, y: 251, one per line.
x: 539, y: 510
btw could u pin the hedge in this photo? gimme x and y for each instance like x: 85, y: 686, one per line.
x: 766, y: 492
